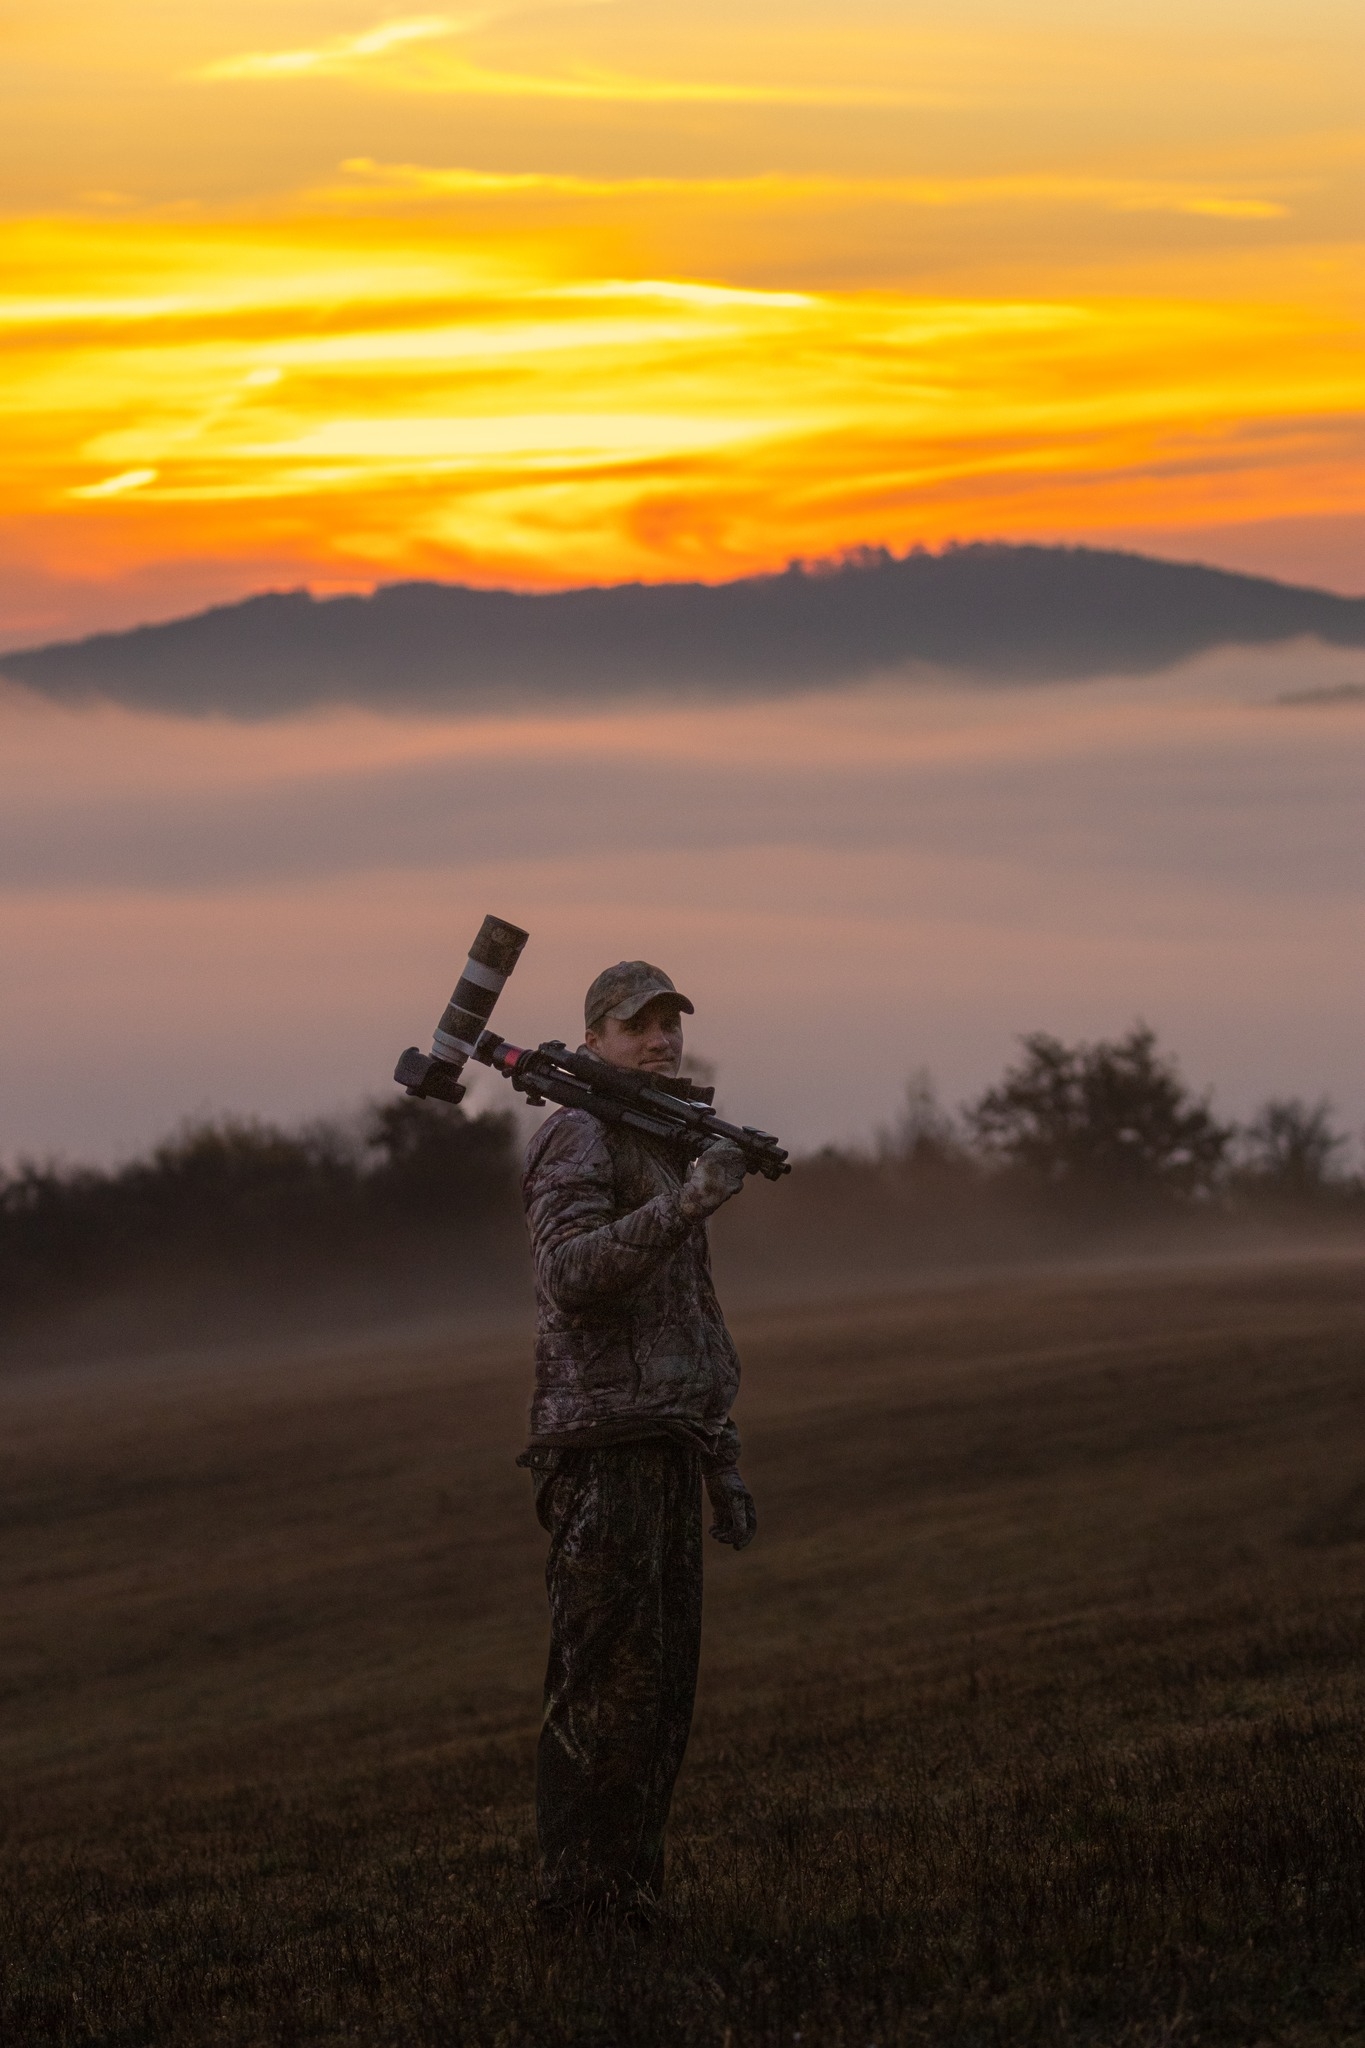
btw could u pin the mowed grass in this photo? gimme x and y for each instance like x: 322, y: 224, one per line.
x: 1036, y: 1713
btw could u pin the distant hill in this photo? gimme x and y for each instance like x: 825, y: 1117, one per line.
x: 988, y: 610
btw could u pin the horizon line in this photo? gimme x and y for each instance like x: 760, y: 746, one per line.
x: 859, y: 555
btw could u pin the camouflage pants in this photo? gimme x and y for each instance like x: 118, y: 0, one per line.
x: 624, y: 1577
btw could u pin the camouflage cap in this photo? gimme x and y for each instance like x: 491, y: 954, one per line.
x: 623, y: 990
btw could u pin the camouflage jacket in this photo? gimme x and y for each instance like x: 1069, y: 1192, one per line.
x: 630, y: 1338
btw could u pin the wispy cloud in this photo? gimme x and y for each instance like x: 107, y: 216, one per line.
x: 393, y: 405
x: 341, y: 54
x: 115, y: 486
x: 458, y: 77
x: 559, y: 439
x: 389, y: 56
x: 398, y: 182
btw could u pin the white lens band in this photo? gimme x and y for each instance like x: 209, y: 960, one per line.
x: 484, y: 977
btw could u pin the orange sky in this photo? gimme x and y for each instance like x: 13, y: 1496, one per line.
x: 316, y: 292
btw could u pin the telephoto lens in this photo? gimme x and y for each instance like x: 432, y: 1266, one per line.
x: 493, y: 955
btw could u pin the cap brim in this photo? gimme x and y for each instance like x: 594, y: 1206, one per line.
x: 633, y: 1005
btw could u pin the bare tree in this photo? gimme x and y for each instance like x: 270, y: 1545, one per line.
x: 924, y: 1135
x: 1290, y: 1147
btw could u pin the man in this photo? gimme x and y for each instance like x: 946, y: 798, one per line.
x: 635, y: 1374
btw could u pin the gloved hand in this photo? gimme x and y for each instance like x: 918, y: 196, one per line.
x: 714, y: 1175
x: 736, y: 1520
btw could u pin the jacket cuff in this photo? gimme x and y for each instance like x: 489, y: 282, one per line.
x: 660, y: 1224
x: 724, y: 1453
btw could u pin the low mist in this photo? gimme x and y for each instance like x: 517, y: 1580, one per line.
x: 204, y: 919
x: 408, y: 1214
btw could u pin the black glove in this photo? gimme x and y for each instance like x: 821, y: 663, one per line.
x: 736, y: 1520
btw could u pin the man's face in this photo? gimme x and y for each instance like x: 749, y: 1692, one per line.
x: 651, y: 1040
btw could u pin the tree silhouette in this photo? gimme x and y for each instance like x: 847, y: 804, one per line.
x: 1111, y: 1119
x: 1290, y: 1146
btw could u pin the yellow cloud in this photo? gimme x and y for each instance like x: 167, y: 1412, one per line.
x: 458, y: 77
x: 666, y: 290
x: 521, y: 437
x: 386, y: 54
x: 115, y: 486
x: 1111, y: 283
x: 365, y: 395
x: 340, y: 55
x: 1120, y: 195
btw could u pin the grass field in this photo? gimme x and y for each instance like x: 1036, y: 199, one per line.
x: 1036, y: 1713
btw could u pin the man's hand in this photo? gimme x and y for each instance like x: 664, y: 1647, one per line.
x: 736, y: 1520
x: 712, y: 1178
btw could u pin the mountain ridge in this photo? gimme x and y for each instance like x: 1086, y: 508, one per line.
x: 992, y: 611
